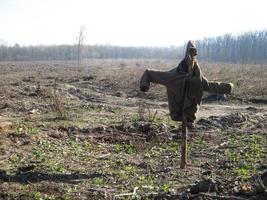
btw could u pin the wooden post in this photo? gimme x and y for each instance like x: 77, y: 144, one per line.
x: 184, y: 143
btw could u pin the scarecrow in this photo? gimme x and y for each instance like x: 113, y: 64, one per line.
x: 185, y: 86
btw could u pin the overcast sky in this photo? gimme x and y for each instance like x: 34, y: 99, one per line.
x: 127, y: 22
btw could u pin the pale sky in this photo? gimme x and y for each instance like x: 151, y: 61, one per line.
x: 127, y: 22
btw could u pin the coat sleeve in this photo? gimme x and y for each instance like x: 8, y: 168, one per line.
x: 159, y: 77
x: 216, y: 87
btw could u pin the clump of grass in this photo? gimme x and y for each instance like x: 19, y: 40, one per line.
x: 15, y: 159
x: 24, y: 128
x: 145, y: 113
x: 40, y: 151
x: 165, y: 187
x: 39, y: 196
x: 160, y: 149
x: 125, y: 148
x: 146, y: 180
x: 58, y: 103
x: 97, y: 181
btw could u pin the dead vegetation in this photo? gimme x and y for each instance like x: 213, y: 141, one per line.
x: 95, y: 136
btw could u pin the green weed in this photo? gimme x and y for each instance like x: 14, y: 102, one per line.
x: 39, y: 196
x: 39, y: 154
x: 24, y: 128
x: 44, y: 144
x: 97, y: 181
x: 166, y: 148
x: 15, y: 159
x: 125, y: 148
x: 245, y: 152
x: 166, y: 187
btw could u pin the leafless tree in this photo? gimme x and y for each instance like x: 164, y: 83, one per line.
x: 80, y: 41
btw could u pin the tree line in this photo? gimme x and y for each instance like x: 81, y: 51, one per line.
x: 247, y: 47
x: 250, y: 47
x: 73, y: 52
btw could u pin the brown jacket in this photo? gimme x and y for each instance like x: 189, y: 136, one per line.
x: 185, y: 85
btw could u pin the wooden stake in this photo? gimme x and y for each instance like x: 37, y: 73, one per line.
x: 184, y: 143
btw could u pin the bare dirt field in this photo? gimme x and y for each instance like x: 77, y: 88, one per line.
x: 69, y: 132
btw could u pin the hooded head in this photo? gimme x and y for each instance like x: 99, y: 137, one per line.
x: 190, y: 48
x: 191, y: 52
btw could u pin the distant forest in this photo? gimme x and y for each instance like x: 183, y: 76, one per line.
x: 250, y: 47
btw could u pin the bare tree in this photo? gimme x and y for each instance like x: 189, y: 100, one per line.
x: 80, y: 41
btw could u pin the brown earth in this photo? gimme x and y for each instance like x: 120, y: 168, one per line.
x: 71, y: 132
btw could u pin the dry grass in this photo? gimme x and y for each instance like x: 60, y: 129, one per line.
x: 249, y: 80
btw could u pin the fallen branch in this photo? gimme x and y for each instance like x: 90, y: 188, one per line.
x: 128, y: 194
x: 105, y: 191
x: 218, y: 146
x: 154, y: 117
x: 217, y: 197
x: 103, y: 156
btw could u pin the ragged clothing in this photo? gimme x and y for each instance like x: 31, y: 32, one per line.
x: 185, y: 85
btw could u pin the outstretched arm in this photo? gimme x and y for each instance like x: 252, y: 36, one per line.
x: 159, y: 77
x: 216, y: 87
